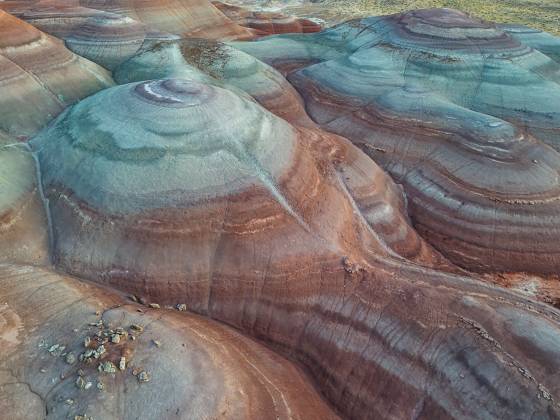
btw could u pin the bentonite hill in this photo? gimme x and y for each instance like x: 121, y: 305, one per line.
x: 224, y: 211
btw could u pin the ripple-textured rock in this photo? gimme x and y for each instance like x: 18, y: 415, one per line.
x: 459, y: 112
x: 196, y: 368
x: 295, y: 237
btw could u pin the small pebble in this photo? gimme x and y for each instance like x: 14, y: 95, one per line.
x: 137, y: 327
x: 122, y: 363
x: 56, y: 350
x: 143, y: 376
x: 70, y: 358
x: 181, y: 307
x: 107, y: 367
x: 157, y: 343
x: 154, y: 305
x: 100, y: 350
x: 100, y: 386
x: 69, y: 401
x: 80, y: 382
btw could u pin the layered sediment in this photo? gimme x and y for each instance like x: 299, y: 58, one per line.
x: 74, y: 349
x: 296, y: 238
x: 39, y: 77
x: 218, y: 64
x: 461, y: 113
x: 158, y: 168
x: 105, y: 38
x: 193, y: 18
x: 206, y: 183
x: 267, y: 23
x: 23, y: 221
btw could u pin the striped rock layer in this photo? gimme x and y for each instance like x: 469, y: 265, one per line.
x: 218, y: 64
x: 460, y: 112
x: 544, y: 42
x: 23, y: 224
x: 195, y: 18
x: 105, y: 38
x: 295, y: 237
x: 162, y: 154
x: 267, y: 23
x: 134, y: 52
x: 39, y: 77
x: 197, y: 368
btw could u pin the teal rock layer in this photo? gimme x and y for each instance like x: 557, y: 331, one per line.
x: 159, y: 150
x: 544, y: 42
x: 218, y: 64
x: 183, y: 192
x: 463, y: 114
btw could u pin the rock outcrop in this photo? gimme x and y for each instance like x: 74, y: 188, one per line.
x: 151, y: 158
x: 201, y: 184
x: 68, y: 350
x: 544, y: 42
x: 218, y: 64
x: 267, y: 23
x: 193, y: 18
x: 23, y: 221
x: 465, y: 116
x: 105, y: 38
x: 136, y: 52
x: 294, y: 237
x: 39, y: 77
